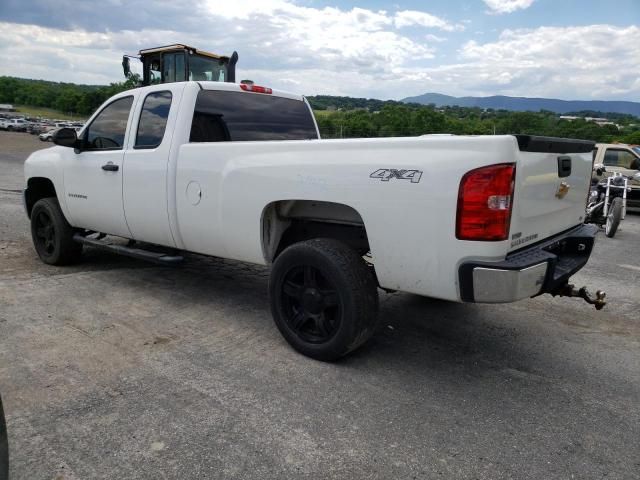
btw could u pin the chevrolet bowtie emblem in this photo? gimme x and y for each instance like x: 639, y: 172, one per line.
x: 563, y: 189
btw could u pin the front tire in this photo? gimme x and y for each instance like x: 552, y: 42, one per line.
x: 52, y: 235
x: 324, y: 298
x: 613, y: 217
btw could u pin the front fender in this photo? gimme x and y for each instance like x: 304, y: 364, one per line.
x: 47, y: 164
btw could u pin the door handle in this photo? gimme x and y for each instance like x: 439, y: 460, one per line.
x: 110, y: 167
x: 564, y: 166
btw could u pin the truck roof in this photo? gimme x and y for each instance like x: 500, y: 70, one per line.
x: 207, y: 85
x: 181, y: 46
x: 235, y: 87
x: 613, y: 145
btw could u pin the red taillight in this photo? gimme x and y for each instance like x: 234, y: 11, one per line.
x: 255, y: 88
x: 485, y: 200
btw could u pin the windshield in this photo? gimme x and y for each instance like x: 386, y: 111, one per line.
x: 205, y: 68
x: 637, y: 150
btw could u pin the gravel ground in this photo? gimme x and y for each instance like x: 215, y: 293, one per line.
x: 116, y: 368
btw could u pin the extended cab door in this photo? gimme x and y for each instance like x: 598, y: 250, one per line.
x: 146, y: 164
x: 93, y: 176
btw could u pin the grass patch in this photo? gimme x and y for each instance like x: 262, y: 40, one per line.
x: 50, y: 113
x: 323, y: 113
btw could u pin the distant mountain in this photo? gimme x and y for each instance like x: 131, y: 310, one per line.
x: 524, y: 103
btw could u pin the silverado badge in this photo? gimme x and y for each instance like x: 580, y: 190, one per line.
x: 563, y: 189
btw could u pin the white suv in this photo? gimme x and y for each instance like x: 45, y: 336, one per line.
x: 14, y: 124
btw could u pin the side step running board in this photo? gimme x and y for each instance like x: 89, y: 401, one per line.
x: 156, y: 257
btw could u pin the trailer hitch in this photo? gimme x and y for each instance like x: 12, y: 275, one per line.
x: 569, y: 290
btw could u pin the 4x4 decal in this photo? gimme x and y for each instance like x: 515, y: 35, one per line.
x: 386, y: 174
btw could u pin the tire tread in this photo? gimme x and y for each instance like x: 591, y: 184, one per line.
x: 69, y: 250
x: 362, y: 286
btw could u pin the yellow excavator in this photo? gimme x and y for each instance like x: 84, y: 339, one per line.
x: 180, y: 63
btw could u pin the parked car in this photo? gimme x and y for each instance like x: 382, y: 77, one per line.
x: 48, y: 135
x: 14, y: 124
x: 36, y: 128
x: 622, y: 159
x: 240, y: 172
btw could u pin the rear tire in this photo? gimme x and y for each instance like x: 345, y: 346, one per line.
x: 613, y: 218
x: 324, y: 299
x: 52, y: 235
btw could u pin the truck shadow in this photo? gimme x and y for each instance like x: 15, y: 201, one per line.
x: 418, y: 332
x: 424, y: 338
x: 413, y: 332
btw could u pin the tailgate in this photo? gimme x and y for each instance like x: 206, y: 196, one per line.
x: 551, y: 186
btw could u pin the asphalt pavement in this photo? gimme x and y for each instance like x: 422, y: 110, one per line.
x: 116, y: 368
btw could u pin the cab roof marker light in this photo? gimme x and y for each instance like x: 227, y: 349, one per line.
x: 255, y: 88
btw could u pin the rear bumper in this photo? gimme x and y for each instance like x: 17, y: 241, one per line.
x: 542, y: 268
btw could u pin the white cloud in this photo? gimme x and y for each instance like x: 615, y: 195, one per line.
x: 273, y: 10
x: 267, y: 34
x: 407, y: 18
x: 356, y: 52
x: 356, y: 37
x: 596, y: 61
x: 507, y: 6
x: 247, y: 8
x: 430, y: 37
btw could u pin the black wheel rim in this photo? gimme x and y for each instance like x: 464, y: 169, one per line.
x: 45, y: 233
x: 311, y: 304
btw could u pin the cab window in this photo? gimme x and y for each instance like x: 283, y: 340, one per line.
x: 206, y: 69
x: 619, y: 158
x: 153, y: 120
x: 153, y: 70
x: 173, y: 67
x: 108, y: 129
x: 222, y: 116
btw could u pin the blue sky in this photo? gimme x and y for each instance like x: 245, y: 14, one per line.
x: 565, y: 49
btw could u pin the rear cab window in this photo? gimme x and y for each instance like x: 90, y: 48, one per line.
x: 619, y: 158
x: 223, y: 116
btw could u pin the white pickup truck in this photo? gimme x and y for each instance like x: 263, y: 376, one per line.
x: 239, y: 171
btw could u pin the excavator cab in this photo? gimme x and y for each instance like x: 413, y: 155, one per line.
x: 179, y: 63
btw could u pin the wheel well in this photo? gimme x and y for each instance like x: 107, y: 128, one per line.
x: 37, y: 188
x: 286, y: 222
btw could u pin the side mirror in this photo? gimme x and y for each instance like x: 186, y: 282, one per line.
x: 65, y: 137
x: 599, y: 168
x: 126, y: 66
